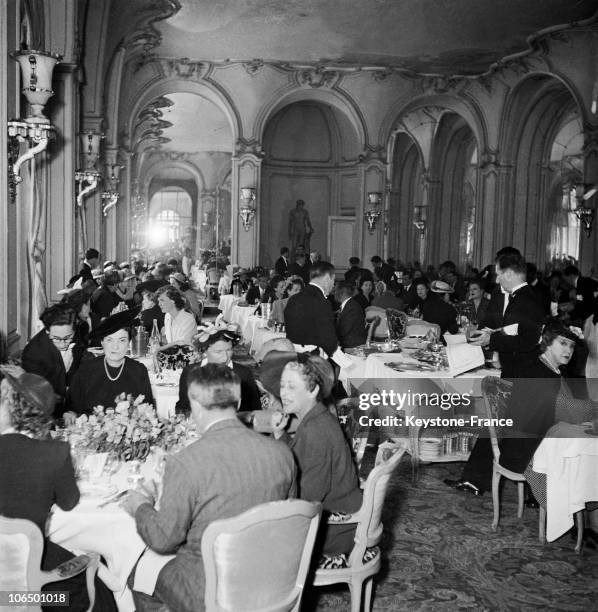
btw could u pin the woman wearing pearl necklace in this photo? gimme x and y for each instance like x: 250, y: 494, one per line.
x: 102, y: 379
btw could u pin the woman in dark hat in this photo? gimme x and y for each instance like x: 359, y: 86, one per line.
x: 86, y: 321
x: 100, y: 380
x: 54, y: 352
x: 37, y: 472
x: 327, y: 472
x: 216, y: 344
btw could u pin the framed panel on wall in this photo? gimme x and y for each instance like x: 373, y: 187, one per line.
x: 341, y: 241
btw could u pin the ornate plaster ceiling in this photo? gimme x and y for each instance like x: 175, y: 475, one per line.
x: 427, y: 36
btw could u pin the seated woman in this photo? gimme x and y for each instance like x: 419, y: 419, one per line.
x: 365, y: 290
x: 436, y: 307
x: 181, y: 282
x: 216, y: 343
x: 479, y: 303
x: 86, y: 321
x: 327, y: 472
x: 150, y: 311
x: 37, y: 472
x: 100, y: 380
x: 277, y: 288
x: 53, y: 352
x: 544, y: 397
x: 179, y: 325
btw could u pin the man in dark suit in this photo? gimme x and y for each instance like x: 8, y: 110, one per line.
x: 239, y: 470
x: 258, y: 293
x: 281, y: 266
x: 517, y: 345
x: 308, y: 316
x: 53, y: 353
x: 383, y: 271
x: 300, y: 268
x: 517, y: 340
x: 586, y: 290
x: 354, y: 272
x: 350, y: 323
x: 92, y: 258
x: 104, y: 300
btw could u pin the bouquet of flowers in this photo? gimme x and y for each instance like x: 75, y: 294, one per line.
x: 129, y: 430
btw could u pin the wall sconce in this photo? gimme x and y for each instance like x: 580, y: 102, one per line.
x: 247, y: 207
x: 36, y: 129
x: 584, y: 213
x: 111, y: 196
x: 420, y: 219
x: 372, y: 214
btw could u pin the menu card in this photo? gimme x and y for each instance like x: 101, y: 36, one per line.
x: 463, y: 357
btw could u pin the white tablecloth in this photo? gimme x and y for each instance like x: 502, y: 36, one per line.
x: 240, y: 316
x: 569, y: 458
x: 262, y: 335
x: 374, y: 368
x: 226, y: 304
x: 166, y: 394
x: 108, y: 531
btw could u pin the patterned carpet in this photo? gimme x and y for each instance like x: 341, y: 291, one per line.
x: 440, y: 554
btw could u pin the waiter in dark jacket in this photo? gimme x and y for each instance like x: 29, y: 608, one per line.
x: 308, y: 316
x: 281, y: 266
x: 92, y: 258
x: 350, y: 324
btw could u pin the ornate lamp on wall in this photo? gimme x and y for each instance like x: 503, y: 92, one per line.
x: 111, y: 195
x: 419, y: 219
x: 87, y: 179
x: 584, y: 213
x: 35, y: 129
x: 247, y: 206
x: 373, y: 211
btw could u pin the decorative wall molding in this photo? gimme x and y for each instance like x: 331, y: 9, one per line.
x: 317, y: 77
x: 183, y: 68
x: 146, y: 37
x: 254, y: 66
x: 250, y: 146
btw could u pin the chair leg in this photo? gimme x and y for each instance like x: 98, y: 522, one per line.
x: 90, y: 574
x: 367, y: 597
x: 542, y: 525
x: 495, y: 499
x: 579, y: 525
x: 355, y: 587
x: 521, y: 495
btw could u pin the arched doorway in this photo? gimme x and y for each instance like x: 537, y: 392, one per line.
x: 312, y: 152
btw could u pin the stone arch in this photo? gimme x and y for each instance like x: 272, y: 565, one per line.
x: 533, y: 115
x: 312, y: 153
x: 202, y: 89
x: 326, y: 96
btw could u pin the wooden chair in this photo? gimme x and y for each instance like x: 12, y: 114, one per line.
x: 397, y: 323
x: 421, y: 328
x: 364, y: 561
x: 496, y: 393
x: 348, y: 413
x: 258, y: 561
x: 21, y: 547
x: 376, y: 316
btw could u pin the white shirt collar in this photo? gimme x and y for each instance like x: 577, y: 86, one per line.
x: 518, y: 287
x: 344, y: 302
x: 320, y: 288
x: 204, y: 362
x: 226, y: 418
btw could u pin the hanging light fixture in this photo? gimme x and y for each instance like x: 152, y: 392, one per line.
x: 373, y: 212
x: 584, y: 213
x: 36, y: 129
x: 247, y: 206
x: 420, y: 219
x: 111, y: 195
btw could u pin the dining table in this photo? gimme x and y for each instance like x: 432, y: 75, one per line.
x: 94, y: 525
x: 227, y: 301
x: 165, y: 388
x: 568, y: 455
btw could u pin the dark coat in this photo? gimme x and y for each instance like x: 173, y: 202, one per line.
x: 303, y: 271
x: 103, y: 302
x: 350, y: 325
x: 517, y: 353
x: 91, y: 387
x: 362, y: 300
x: 436, y: 310
x: 250, y: 395
x: 281, y: 266
x: 85, y: 273
x: 585, y: 301
x: 40, y: 356
x: 309, y: 319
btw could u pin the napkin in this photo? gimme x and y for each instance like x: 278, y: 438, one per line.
x: 148, y: 567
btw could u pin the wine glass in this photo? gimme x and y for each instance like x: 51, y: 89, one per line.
x: 135, y: 477
x: 112, y: 466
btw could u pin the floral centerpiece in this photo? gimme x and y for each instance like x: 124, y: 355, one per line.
x: 129, y: 430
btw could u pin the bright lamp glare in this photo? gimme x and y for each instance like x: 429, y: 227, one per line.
x: 156, y: 235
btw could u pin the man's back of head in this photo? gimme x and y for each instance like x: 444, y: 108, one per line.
x: 344, y: 291
x: 214, y: 392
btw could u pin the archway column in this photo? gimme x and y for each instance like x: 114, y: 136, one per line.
x: 246, y: 172
x: 588, y: 247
